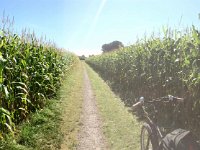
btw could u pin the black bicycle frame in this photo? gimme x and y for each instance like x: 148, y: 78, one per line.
x: 155, y: 133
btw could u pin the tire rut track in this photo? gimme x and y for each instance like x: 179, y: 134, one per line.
x: 90, y: 136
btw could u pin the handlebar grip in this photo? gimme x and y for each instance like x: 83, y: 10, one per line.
x: 176, y: 99
x: 136, y: 105
x: 179, y: 99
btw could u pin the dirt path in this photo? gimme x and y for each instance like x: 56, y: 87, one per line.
x: 90, y: 136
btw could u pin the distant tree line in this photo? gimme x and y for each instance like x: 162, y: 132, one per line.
x: 112, y: 46
x: 83, y: 57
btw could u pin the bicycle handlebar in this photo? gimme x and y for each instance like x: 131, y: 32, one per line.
x: 168, y: 98
x: 141, y: 102
x: 136, y: 105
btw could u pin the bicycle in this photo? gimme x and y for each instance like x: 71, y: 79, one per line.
x: 151, y: 134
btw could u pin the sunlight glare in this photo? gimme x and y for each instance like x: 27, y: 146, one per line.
x: 94, y: 22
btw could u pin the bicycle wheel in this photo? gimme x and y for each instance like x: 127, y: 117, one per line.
x: 147, y: 138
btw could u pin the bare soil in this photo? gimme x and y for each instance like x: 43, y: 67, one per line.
x: 90, y: 136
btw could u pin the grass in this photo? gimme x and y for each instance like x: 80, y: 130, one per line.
x: 121, y: 128
x: 72, y: 95
x: 41, y: 131
x: 57, y: 122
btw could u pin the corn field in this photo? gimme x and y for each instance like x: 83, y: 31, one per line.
x: 155, y: 67
x: 30, y: 73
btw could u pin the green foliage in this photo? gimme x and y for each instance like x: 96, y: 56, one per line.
x: 56, y: 125
x: 82, y: 57
x: 157, y: 67
x: 112, y: 46
x: 30, y: 72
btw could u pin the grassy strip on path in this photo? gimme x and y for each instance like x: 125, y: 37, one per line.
x: 58, y: 121
x: 120, y: 127
x: 72, y: 95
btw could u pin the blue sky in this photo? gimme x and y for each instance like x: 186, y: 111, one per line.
x: 83, y: 26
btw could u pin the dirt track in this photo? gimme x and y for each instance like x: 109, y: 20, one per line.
x: 90, y: 136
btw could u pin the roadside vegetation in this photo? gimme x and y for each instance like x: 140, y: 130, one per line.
x: 32, y: 71
x: 71, y: 97
x: 155, y: 67
x: 120, y: 127
x: 57, y: 124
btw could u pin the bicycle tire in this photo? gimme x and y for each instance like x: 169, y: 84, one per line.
x: 151, y: 143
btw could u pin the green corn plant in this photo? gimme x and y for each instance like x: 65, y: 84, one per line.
x: 31, y: 71
x: 156, y: 67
